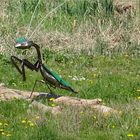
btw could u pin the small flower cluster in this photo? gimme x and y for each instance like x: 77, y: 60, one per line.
x: 82, y: 78
x: 138, y: 90
x: 28, y: 123
x: 76, y: 78
x: 3, y: 131
x: 51, y: 102
x: 130, y: 135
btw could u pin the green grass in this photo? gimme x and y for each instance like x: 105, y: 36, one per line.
x: 115, y: 80
x: 92, y: 47
x: 103, y: 77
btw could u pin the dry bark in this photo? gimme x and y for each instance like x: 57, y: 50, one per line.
x: 8, y: 94
x: 43, y: 108
x: 97, y: 108
x: 94, y: 104
x: 73, y: 101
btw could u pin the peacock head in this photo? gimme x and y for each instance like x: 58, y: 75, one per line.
x: 22, y: 43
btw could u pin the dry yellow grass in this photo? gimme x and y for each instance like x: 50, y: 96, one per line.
x: 85, y: 36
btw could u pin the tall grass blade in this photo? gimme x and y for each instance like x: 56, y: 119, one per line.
x: 37, y: 28
x: 32, y: 18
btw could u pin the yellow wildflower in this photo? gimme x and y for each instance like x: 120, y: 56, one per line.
x: 130, y: 135
x: 5, y: 124
x: 32, y: 124
x: 52, y: 99
x: 94, y: 117
x: 113, y: 126
x: 52, y: 105
x: 8, y: 135
x: 3, y: 133
x: 29, y: 121
x: 1, y: 130
x: 138, y: 98
x: 23, y: 121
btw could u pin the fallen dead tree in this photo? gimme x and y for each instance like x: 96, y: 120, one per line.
x: 9, y: 94
x: 94, y: 104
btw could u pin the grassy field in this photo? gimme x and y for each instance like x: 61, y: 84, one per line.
x: 90, y: 45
